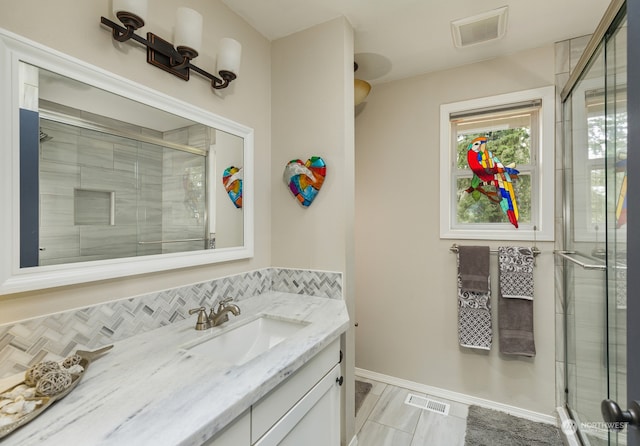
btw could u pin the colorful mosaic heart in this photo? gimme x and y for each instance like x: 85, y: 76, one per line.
x: 305, y: 179
x: 232, y: 181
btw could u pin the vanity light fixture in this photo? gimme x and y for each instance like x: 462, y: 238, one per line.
x: 188, y: 40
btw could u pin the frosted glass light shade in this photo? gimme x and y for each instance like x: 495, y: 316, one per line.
x: 229, y: 55
x: 137, y: 7
x: 188, y: 31
x: 361, y: 90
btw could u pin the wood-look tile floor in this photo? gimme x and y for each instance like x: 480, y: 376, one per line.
x: 385, y: 420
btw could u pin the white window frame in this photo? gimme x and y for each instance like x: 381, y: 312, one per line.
x: 543, y: 204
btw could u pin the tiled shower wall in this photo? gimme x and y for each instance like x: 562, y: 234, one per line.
x: 56, y: 336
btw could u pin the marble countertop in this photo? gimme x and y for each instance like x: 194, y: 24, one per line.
x: 149, y: 389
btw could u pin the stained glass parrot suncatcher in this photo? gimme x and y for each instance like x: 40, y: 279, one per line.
x: 489, y: 171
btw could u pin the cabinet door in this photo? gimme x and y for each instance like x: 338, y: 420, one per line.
x: 266, y: 412
x: 321, y: 425
x: 314, y: 420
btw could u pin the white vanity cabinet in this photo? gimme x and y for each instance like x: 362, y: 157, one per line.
x: 304, y: 409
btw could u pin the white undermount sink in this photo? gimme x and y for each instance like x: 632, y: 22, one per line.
x: 247, y: 341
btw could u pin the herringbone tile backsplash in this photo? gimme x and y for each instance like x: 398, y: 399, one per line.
x: 56, y: 336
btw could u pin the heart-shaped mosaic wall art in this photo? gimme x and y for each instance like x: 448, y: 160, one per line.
x: 305, y: 179
x: 232, y: 181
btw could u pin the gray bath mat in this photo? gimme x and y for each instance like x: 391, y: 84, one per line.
x: 486, y: 427
x: 362, y: 389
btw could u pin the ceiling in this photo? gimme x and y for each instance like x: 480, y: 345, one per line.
x: 396, y: 39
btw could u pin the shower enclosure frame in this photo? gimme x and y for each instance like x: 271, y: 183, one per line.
x: 616, y: 10
x: 633, y: 211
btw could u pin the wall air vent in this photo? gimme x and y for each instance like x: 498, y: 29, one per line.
x: 485, y: 27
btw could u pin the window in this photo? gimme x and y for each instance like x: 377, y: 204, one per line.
x: 519, y: 128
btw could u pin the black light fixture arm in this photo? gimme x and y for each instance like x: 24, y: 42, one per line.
x: 122, y: 34
x: 161, y: 53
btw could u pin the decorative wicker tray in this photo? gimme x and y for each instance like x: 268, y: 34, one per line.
x: 46, y: 401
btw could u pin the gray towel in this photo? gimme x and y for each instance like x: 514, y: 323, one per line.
x: 516, y: 272
x: 515, y: 318
x: 474, y: 317
x: 473, y: 267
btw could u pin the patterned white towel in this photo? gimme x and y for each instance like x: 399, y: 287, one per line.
x: 474, y: 317
x: 516, y: 272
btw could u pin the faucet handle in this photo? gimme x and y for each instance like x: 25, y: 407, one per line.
x: 202, y: 323
x: 223, y: 302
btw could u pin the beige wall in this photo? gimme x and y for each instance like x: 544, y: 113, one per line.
x: 312, y: 115
x: 73, y: 27
x: 405, y: 274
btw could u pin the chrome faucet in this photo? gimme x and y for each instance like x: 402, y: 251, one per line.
x: 215, y: 318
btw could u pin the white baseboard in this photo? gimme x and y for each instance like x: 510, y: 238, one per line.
x: 458, y: 397
x: 354, y: 441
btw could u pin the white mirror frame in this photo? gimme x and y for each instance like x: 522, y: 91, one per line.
x: 14, y: 49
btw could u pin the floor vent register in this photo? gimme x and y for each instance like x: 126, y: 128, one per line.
x: 427, y: 404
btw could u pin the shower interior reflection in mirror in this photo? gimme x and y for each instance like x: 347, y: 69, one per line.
x: 107, y: 188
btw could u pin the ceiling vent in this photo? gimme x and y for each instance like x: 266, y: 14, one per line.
x: 480, y: 28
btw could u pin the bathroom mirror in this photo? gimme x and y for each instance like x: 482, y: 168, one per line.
x: 106, y: 178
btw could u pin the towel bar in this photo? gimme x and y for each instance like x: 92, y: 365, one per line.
x: 567, y: 255
x: 157, y: 242
x: 536, y: 252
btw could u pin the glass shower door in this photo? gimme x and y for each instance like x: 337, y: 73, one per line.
x: 595, y: 240
x: 616, y: 182
x: 584, y: 275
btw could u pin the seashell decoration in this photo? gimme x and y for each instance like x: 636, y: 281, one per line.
x: 20, y: 401
x: 14, y: 407
x: 21, y: 390
x: 75, y: 369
